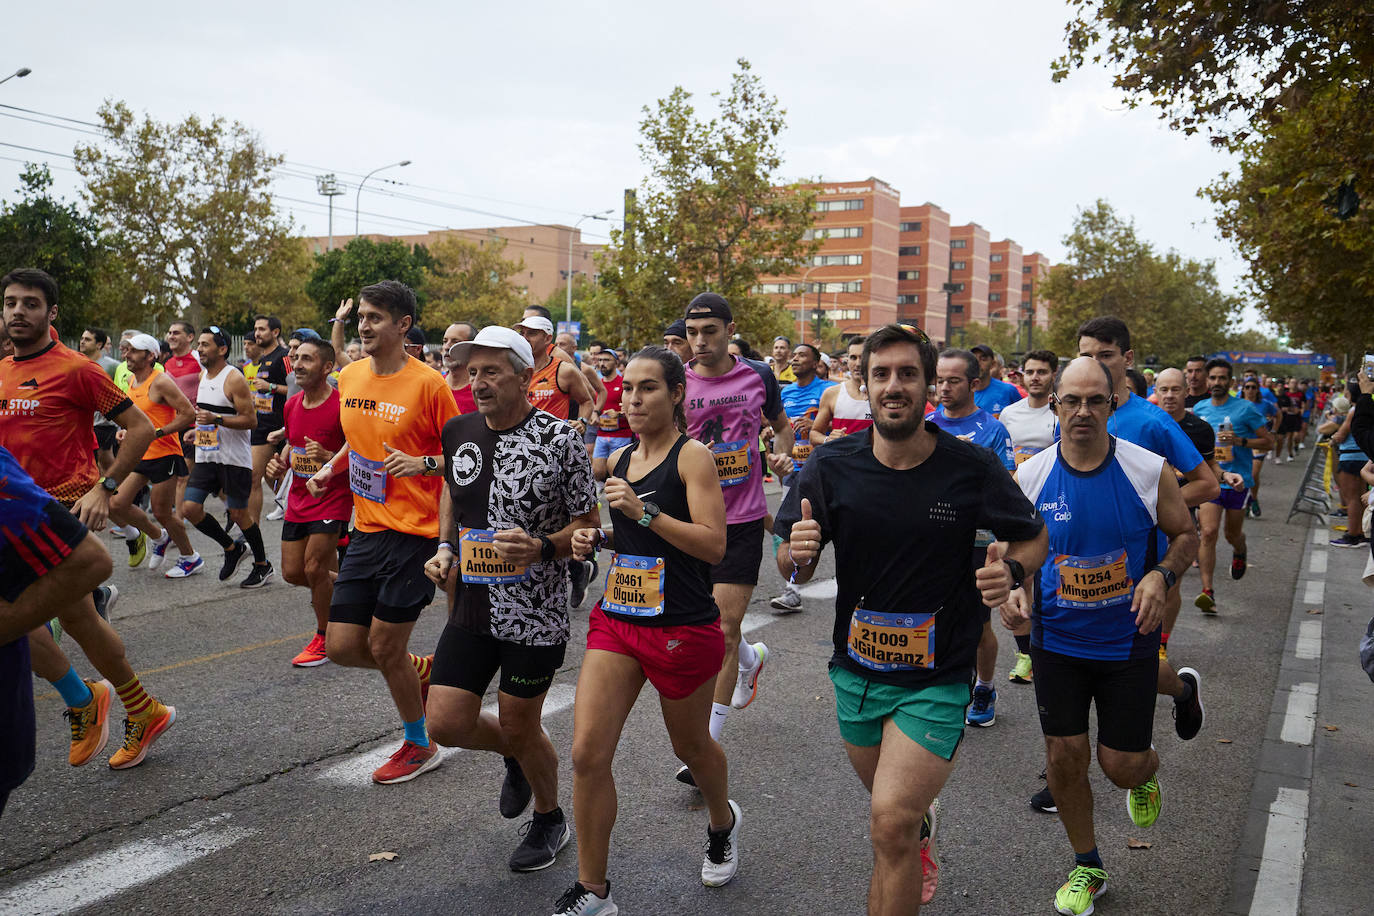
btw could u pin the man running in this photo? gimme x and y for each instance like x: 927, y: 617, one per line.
x: 558, y: 383
x: 901, y: 502
x: 1250, y: 391
x: 1195, y: 374
x: 519, y: 485
x: 95, y: 346
x: 269, y: 397
x: 184, y: 368
x: 844, y: 407
x: 457, y: 373
x: 612, y: 427
x: 392, y: 410
x: 1098, y: 608
x: 781, y: 360
x: 47, y: 396
x: 991, y: 394
x: 675, y: 339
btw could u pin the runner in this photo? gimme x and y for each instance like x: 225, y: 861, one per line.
x: 612, y: 427
x: 519, y: 485
x: 1238, y: 426
x: 1195, y: 374
x: 392, y: 409
x: 225, y: 416
x: 1104, y: 501
x: 844, y: 407
x: 727, y: 398
x: 1289, y: 404
x: 1250, y: 391
x: 558, y: 383
x: 47, y: 396
x: 184, y: 368
x: 901, y: 502
x: 269, y: 397
x: 781, y: 361
x: 631, y: 625
x: 95, y: 346
x: 457, y: 373
x: 311, y: 532
x: 989, y: 393
x: 675, y: 339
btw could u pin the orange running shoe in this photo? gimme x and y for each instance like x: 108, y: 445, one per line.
x: 930, y: 854
x: 313, y: 655
x: 407, y: 763
x: 90, y: 724
x: 139, y: 735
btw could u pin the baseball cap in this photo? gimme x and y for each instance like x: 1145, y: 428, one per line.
x: 146, y: 342
x: 710, y: 305
x: 415, y: 337
x: 305, y: 334
x: 983, y: 348
x: 536, y: 323
x: 676, y: 329
x: 496, y: 337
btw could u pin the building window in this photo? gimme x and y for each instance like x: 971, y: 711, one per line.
x: 956, y: 310
x: 958, y: 265
x: 909, y: 251
x: 995, y: 278
x: 825, y: 206
x: 1026, y: 269
x: 1025, y: 287
x: 833, y: 260
x: 996, y: 259
x: 836, y: 232
x: 838, y: 286
x: 959, y: 243
x: 911, y: 227
x: 784, y: 289
x: 843, y: 314
x: 908, y: 275
x: 909, y: 300
x: 958, y: 287
x: 995, y: 297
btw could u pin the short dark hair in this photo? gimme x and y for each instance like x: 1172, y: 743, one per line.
x: 890, y: 334
x: 857, y: 340
x: 1108, y: 329
x: 785, y: 340
x: 1042, y: 356
x: 190, y: 328
x: 101, y: 336
x: 273, y: 321
x: 1218, y: 361
x: 815, y: 354
x: 393, y: 296
x: 1138, y: 382
x: 1195, y: 359
x: 972, y: 370
x: 33, y: 278
x: 541, y: 311
x: 325, y: 347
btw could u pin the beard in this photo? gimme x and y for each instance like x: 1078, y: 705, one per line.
x: 899, y: 430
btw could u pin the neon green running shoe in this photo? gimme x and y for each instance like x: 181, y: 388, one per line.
x: 1021, y: 671
x: 1143, y: 802
x: 138, y: 550
x: 1075, y: 897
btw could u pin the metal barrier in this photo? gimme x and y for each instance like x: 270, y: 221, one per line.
x: 1314, y: 492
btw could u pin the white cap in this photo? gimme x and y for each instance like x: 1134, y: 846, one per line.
x: 537, y: 323
x: 496, y: 337
x: 146, y: 342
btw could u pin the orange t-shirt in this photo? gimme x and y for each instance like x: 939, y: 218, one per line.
x: 161, y: 416
x: 545, y: 393
x: 406, y: 411
x: 46, y: 403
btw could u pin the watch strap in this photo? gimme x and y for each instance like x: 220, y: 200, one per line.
x: 1170, y: 579
x: 1018, y: 572
x: 548, y: 550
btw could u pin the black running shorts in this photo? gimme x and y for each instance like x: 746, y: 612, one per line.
x: 161, y: 470
x: 743, y: 554
x: 1123, y: 691
x: 383, y: 576
x: 299, y: 531
x: 28, y: 552
x: 469, y: 661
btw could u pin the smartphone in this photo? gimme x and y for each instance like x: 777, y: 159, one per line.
x: 1369, y: 366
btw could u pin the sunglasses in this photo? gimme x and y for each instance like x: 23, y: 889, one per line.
x: 914, y: 329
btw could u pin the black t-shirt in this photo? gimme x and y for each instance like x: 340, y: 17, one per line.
x: 1191, y: 399
x: 275, y: 367
x: 17, y: 730
x: 903, y: 540
x: 1204, y: 438
x: 534, y: 476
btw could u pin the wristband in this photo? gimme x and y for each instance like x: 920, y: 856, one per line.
x: 444, y: 544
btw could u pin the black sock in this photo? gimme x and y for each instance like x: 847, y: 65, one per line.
x: 1023, y: 644
x: 1187, y: 693
x: 253, y: 535
x: 212, y: 529
x: 551, y: 817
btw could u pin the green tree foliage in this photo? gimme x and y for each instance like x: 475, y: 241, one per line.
x: 1171, y: 304
x: 557, y: 303
x: 276, y: 286
x: 339, y: 274
x: 709, y: 216
x: 471, y: 282
x: 191, y: 205
x: 1000, y: 335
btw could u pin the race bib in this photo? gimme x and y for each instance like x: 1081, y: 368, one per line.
x: 1223, y: 454
x: 1023, y: 452
x: 207, y: 437
x: 480, y: 564
x: 891, y: 642
x: 262, y: 401
x: 366, y: 478
x: 732, y: 462
x: 801, y: 452
x: 634, y: 586
x: 301, y: 465
x: 610, y: 424
x: 1088, y: 583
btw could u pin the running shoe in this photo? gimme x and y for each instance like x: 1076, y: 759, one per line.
x: 90, y: 724
x: 138, y: 550
x: 578, y: 901
x: 139, y: 735
x: 233, y: 554
x: 1206, y: 602
x: 1143, y: 802
x: 544, y: 835
x: 1044, y: 801
x: 186, y: 566
x: 159, y: 550
x: 1075, y: 897
x: 1254, y: 507
x: 313, y: 655
x: 722, y: 852
x: 1189, y: 717
x: 983, y: 710
x: 105, y: 598
x: 789, y: 602
x: 747, y: 684
x: 684, y: 776
x: 258, y: 576
x: 579, y: 574
x: 515, y: 790
x: 1348, y: 540
x: 409, y: 761
x: 276, y: 514
x: 1339, y: 513
x: 1237, y: 565
x: 930, y: 855
x: 1021, y: 671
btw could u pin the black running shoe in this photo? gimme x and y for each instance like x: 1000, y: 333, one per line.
x: 105, y: 597
x: 515, y: 790
x: 232, y: 556
x: 1044, y: 801
x: 1190, y: 716
x: 544, y: 836
x: 684, y: 776
x: 258, y: 576
x: 578, y: 574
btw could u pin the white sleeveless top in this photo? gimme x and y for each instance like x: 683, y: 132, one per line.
x: 219, y: 444
x: 851, y: 414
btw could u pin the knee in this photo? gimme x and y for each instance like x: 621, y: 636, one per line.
x: 894, y: 832
x: 315, y: 570
x: 1066, y: 758
x: 519, y: 734
x: 730, y: 630
x: 294, y: 576
x: 690, y: 749
x: 592, y: 759
x: 342, y: 650
x: 119, y: 503
x: 384, y: 649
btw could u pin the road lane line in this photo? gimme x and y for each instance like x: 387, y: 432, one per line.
x: 821, y: 589
x: 1317, y: 565
x: 1320, y: 536
x: 1315, y: 592
x: 1279, y: 885
x: 1309, y: 639
x: 1300, y: 721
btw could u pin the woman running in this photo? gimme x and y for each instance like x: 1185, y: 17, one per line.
x: 655, y: 622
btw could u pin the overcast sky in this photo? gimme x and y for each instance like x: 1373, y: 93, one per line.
x: 529, y: 111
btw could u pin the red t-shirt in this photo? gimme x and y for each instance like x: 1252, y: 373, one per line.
x: 185, y: 371
x: 617, y: 427
x: 464, y: 399
x: 322, y: 425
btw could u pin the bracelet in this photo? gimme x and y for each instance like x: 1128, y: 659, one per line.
x: 444, y: 544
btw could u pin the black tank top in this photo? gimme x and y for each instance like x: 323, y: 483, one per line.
x: 687, y: 599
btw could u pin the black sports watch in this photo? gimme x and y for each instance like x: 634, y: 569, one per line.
x: 1170, y: 578
x: 109, y: 485
x: 431, y: 466
x: 1018, y: 572
x: 650, y: 513
x: 548, y: 550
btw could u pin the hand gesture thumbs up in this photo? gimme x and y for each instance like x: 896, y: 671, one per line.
x: 805, y: 542
x: 994, y: 579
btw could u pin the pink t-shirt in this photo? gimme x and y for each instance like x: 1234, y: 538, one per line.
x: 725, y: 413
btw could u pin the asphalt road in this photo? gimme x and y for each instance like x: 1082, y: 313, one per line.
x: 258, y: 799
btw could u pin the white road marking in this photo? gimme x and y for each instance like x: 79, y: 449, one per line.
x: 1315, y: 592
x: 128, y: 865
x: 1279, y: 884
x: 820, y: 589
x: 1309, y: 639
x: 1300, y: 721
x: 356, y: 769
x: 752, y: 622
x: 1320, y: 535
x: 1317, y: 565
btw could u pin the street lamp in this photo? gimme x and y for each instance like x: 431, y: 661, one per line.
x: 359, y: 199
x: 21, y: 73
x: 601, y: 216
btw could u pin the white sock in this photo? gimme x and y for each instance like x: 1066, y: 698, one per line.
x: 718, y: 713
x: 982, y: 683
x: 130, y: 532
x: 748, y: 658
x: 162, y: 538
x: 192, y: 556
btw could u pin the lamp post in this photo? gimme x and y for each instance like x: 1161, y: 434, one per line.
x: 359, y: 199
x: 328, y: 186
x: 601, y: 216
x: 949, y: 290
x: 21, y: 73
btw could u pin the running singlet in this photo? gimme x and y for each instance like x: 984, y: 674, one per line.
x: 724, y: 412
x: 535, y: 476
x: 616, y: 427
x: 851, y: 414
x: 995, y: 398
x: 161, y: 416
x: 1032, y: 429
x: 320, y: 424
x: 980, y: 428
x: 649, y: 582
x: 275, y: 367
x: 46, y: 402
x: 185, y: 371
x: 1102, y: 529
x: 803, y: 401
x: 545, y: 392
x: 1246, y: 421
x: 406, y: 411
x: 217, y: 444
x: 463, y: 398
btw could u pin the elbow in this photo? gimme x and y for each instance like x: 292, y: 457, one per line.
x: 715, y: 550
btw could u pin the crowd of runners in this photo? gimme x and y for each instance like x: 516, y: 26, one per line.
x: 1059, y: 502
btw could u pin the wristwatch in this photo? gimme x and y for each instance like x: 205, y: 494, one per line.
x: 109, y: 485
x: 431, y: 466
x: 1170, y: 579
x: 1018, y: 572
x: 548, y: 550
x: 650, y: 513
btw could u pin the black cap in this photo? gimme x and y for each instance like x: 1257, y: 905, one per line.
x: 983, y: 348
x: 676, y: 329
x: 415, y: 337
x: 710, y: 305
x: 304, y: 334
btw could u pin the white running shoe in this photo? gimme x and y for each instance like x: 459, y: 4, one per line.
x: 747, y: 684
x: 722, y: 852
x: 186, y: 566
x: 789, y: 602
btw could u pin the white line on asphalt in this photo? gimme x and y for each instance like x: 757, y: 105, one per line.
x: 821, y: 588
x: 1319, y: 536
x: 752, y: 622
x: 1315, y: 592
x: 126, y: 866
x: 1317, y: 565
x: 1279, y: 883
x: 356, y: 769
x: 1309, y: 639
x: 1300, y: 721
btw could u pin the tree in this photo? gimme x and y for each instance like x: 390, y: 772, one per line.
x: 582, y: 290
x: 341, y: 272
x: 190, y: 203
x: 471, y: 282
x: 1172, y: 305
x: 1000, y: 335
x: 277, y: 286
x: 710, y: 215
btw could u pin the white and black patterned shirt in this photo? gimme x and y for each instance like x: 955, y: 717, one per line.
x: 534, y: 476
